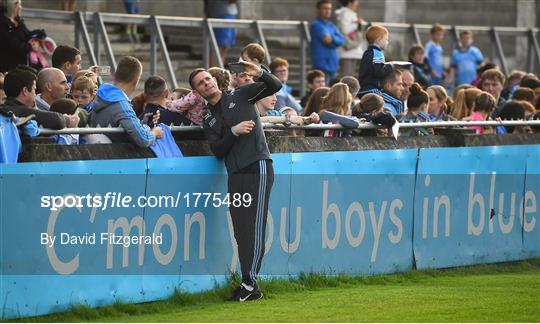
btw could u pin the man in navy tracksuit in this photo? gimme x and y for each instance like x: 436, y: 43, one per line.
x: 234, y: 131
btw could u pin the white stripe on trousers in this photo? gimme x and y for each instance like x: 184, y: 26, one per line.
x: 258, y: 236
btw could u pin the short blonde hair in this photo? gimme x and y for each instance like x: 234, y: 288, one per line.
x: 84, y: 84
x: 436, y: 28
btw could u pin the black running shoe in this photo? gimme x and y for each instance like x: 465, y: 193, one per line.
x: 256, y: 295
x: 236, y: 292
x: 241, y: 294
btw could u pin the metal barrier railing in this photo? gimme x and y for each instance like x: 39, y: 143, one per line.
x: 210, y: 45
x: 367, y: 125
x: 155, y: 24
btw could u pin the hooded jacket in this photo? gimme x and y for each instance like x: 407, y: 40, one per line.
x: 113, y: 107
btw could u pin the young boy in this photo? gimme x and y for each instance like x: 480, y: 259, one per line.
x: 253, y: 53
x: 83, y: 91
x: 434, y: 54
x: 373, y: 69
x: 315, y: 79
x: 465, y: 60
x: 421, y: 68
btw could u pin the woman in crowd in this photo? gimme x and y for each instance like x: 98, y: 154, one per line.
x: 314, y: 103
x: 512, y: 110
x: 530, y: 110
x: 524, y: 94
x: 418, y: 105
x: 334, y: 109
x: 371, y: 109
x: 14, y: 36
x: 440, y: 104
x: 464, y: 102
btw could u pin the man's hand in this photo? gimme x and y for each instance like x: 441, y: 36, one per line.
x: 295, y: 119
x: 305, y: 120
x: 314, y: 118
x: 73, y: 120
x: 327, y: 39
x: 158, y: 132
x: 251, y: 69
x: 243, y: 128
x: 94, y: 69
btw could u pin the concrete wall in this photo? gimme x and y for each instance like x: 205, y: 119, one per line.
x: 44, y: 149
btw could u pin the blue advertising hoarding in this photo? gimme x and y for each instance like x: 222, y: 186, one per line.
x: 361, y: 212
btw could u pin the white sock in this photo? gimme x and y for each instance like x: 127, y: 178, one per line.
x: 248, y: 287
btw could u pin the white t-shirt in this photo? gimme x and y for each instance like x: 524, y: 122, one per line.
x: 347, y: 21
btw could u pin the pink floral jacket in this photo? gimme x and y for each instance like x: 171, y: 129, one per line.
x: 192, y: 105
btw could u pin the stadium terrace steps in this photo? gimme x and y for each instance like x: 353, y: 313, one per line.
x: 185, y: 49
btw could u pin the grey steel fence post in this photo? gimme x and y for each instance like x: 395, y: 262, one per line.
x: 164, y: 51
x: 153, y: 48
x: 214, y: 43
x: 536, y: 49
x: 206, y: 46
x: 530, y: 51
x: 455, y: 36
x: 415, y: 35
x: 96, y: 38
x: 77, y: 31
x: 86, y: 37
x: 98, y: 20
x: 492, y: 48
x: 500, y: 52
x: 262, y: 40
x: 305, y: 38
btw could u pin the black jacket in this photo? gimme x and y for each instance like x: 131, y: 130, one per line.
x: 166, y: 117
x: 47, y: 119
x: 14, y: 46
x: 373, y: 69
x: 234, y: 107
x: 422, y: 73
x: 383, y: 118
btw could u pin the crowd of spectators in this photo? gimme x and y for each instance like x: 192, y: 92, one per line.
x: 349, y: 84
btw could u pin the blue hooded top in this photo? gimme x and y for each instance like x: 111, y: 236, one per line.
x: 113, y: 107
